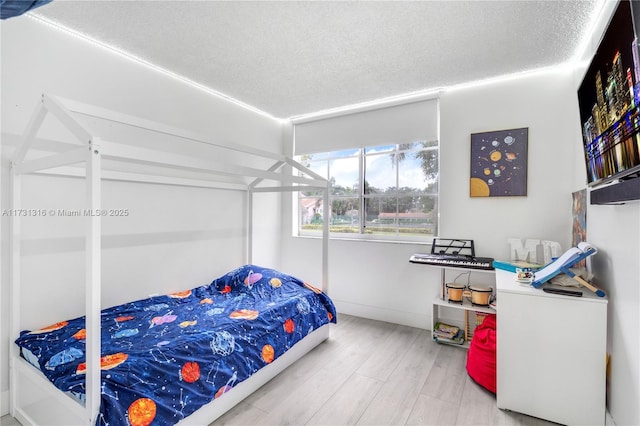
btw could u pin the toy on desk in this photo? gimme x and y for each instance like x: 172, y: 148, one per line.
x: 563, y: 263
x: 524, y: 275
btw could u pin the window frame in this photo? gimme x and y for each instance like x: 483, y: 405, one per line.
x: 362, y: 233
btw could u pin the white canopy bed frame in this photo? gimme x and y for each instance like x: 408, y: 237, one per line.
x: 33, y: 399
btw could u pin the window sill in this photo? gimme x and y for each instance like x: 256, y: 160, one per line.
x: 365, y: 239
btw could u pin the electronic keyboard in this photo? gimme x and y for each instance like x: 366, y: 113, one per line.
x: 453, y: 260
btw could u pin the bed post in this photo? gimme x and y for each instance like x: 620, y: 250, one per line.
x: 28, y: 137
x: 92, y: 281
x: 249, y: 221
x: 325, y: 240
x: 14, y: 298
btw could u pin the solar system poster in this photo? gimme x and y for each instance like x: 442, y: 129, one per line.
x: 499, y: 163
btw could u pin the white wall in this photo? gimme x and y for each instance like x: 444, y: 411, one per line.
x: 539, y: 102
x: 376, y: 280
x: 615, y: 231
x: 174, y: 238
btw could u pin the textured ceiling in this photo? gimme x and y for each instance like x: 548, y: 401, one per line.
x: 294, y: 58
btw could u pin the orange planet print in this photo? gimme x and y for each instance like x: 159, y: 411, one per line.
x: 289, y: 326
x: 226, y: 289
x: 244, y: 314
x: 141, y: 412
x: 107, y: 362
x: 221, y: 391
x: 208, y: 301
x: 81, y: 334
x: 268, y: 353
x: 124, y: 318
x: 52, y: 327
x: 330, y: 315
x: 478, y: 188
x: 180, y: 294
x: 190, y: 372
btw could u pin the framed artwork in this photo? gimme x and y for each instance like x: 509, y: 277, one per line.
x: 499, y: 163
x: 579, y: 215
x: 579, y: 221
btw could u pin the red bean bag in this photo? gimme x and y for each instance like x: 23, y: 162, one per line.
x: 481, y: 358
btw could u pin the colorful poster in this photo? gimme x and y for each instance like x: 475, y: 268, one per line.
x: 579, y: 215
x: 579, y: 221
x: 499, y: 163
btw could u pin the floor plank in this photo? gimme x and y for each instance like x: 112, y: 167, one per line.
x: 432, y: 411
x: 393, y: 404
x: 447, y: 377
x: 8, y: 421
x: 348, y: 403
x: 477, y: 406
x: 385, y: 357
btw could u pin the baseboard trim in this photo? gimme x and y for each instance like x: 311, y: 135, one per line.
x: 4, y: 403
x: 410, y: 319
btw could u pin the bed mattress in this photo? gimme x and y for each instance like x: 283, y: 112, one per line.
x: 164, y: 357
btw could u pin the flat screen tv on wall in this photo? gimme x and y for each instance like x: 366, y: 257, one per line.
x: 609, y: 101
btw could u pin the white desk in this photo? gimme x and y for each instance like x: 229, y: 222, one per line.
x: 551, y: 355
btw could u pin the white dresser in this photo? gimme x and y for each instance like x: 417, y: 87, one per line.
x: 551, y: 355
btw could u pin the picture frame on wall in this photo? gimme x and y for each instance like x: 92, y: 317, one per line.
x: 579, y: 221
x: 499, y: 163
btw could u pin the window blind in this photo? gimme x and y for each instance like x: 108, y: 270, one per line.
x: 399, y: 124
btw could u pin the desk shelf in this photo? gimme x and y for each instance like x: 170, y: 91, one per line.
x: 466, y: 305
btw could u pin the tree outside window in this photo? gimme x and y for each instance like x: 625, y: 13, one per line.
x: 387, y: 192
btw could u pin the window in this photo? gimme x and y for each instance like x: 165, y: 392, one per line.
x: 387, y: 192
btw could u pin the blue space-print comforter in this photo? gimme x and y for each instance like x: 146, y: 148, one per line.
x: 164, y: 357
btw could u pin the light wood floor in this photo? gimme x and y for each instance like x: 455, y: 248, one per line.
x: 373, y: 373
x: 8, y: 421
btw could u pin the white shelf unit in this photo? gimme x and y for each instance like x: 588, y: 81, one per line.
x: 466, y: 306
